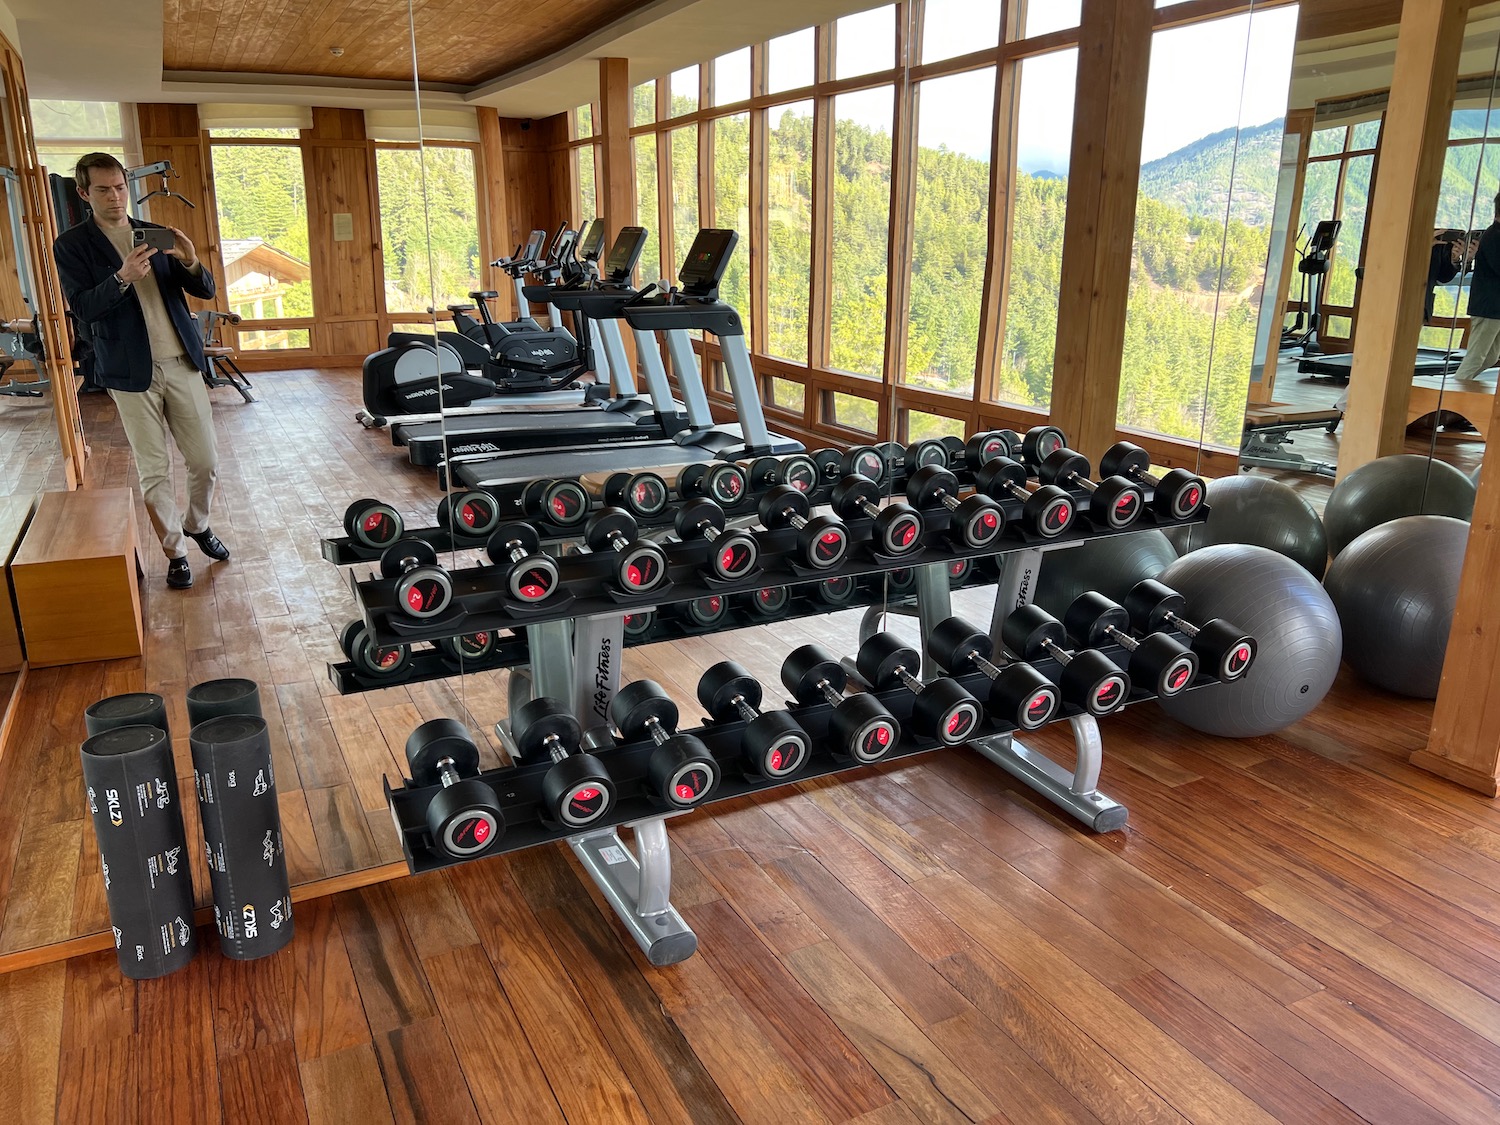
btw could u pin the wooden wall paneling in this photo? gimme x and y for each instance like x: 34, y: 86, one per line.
x: 1414, y: 139
x: 528, y: 180
x: 495, y: 202
x: 1299, y: 121
x: 346, y: 290
x: 616, y: 174
x: 1113, y: 60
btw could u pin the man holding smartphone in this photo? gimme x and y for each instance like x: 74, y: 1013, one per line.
x: 125, y: 282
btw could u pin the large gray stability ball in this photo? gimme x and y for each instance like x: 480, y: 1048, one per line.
x: 1389, y: 488
x: 1292, y: 620
x: 1395, y: 588
x: 1258, y: 510
x: 1111, y: 565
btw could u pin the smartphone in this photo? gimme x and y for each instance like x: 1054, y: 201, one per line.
x: 158, y: 237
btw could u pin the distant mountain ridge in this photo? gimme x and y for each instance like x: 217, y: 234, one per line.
x: 1196, y: 178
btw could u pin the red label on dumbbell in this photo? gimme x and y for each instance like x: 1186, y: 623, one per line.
x: 730, y: 560
x: 1179, y: 677
x: 907, y: 533
x: 994, y: 447
x: 1039, y: 707
x: 732, y: 485
x: 585, y: 803
x: 375, y: 521
x: 1064, y: 513
x: 1239, y: 658
x: 481, y: 830
x: 1108, y: 695
x: 959, y: 723
x: 691, y: 785
x: 535, y: 586
x: 415, y: 599
x: 830, y: 546
x: 1192, y: 497
x: 468, y: 515
x: 958, y: 569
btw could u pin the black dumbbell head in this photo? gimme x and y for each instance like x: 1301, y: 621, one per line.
x: 636, y: 704
x: 1124, y: 459
x: 469, y: 515
x: 643, y: 494
x: 406, y: 554
x: 931, y: 451
x: 512, y: 537
x: 468, y: 648
x: 1225, y: 648
x: 982, y: 448
x: 1023, y: 697
x: 705, y: 612
x: 927, y: 486
x: 563, y: 502
x: 1062, y: 465
x: 434, y: 741
x: 1179, y: 495
x: 1049, y: 510
x: 946, y: 711
x: 1041, y: 442
x: 763, y: 472
x: 1026, y: 629
x: 1148, y: 603
x: 577, y: 791
x: 1116, y: 502
x: 862, y: 729
x: 606, y: 525
x: 953, y: 641
x: 839, y: 591
x: 721, y: 684
x: 465, y: 819
x: 1094, y: 682
x: 347, y: 635
x: 880, y: 657
x: 898, y: 530
x: 769, y: 602
x: 864, y: 460
x: 696, y: 514
x: 423, y: 592
x: 372, y: 661
x: 681, y: 772
x: 851, y: 492
x: 1163, y: 663
x: 1089, y: 617
x: 780, y: 504
x: 538, y: 720
x: 805, y: 667
x: 372, y: 523
x: 799, y: 471
x: 775, y: 745
x: 829, y: 463
x: 992, y: 477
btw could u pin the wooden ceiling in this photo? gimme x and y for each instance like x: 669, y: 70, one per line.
x: 458, y: 43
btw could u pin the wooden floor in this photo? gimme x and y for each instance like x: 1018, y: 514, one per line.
x: 1293, y: 928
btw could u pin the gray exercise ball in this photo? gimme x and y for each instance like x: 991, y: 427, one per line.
x: 1111, y: 565
x: 1395, y: 588
x: 1258, y: 510
x: 1389, y: 488
x: 1292, y: 620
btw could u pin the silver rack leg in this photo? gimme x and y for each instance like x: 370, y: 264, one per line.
x: 934, y: 603
x: 598, y: 645
x: 1074, y: 792
x: 639, y: 887
x: 1017, y: 585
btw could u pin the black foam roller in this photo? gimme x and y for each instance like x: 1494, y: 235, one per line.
x: 242, y: 833
x: 213, y: 698
x: 134, y: 709
x: 132, y: 795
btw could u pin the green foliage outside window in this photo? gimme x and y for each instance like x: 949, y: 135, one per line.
x: 261, y: 195
x: 449, y: 213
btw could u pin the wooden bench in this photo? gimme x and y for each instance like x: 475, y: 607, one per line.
x: 15, y: 514
x: 1474, y: 400
x: 75, y: 578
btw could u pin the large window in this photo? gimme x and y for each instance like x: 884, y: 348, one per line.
x: 65, y: 131
x: 647, y: 208
x: 414, y: 276
x: 732, y: 206
x: 861, y: 217
x: 788, y: 229
x: 262, y: 210
x: 684, y: 144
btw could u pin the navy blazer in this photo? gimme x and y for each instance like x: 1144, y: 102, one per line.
x: 86, y: 263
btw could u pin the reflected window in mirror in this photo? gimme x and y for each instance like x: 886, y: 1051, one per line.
x: 65, y: 131
x: 417, y: 271
x: 647, y: 207
x: 861, y: 211
x: 789, y: 230
x: 731, y: 141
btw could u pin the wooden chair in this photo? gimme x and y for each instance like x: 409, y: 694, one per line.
x: 222, y: 369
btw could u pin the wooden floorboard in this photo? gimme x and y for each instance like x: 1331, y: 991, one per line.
x: 1297, y: 928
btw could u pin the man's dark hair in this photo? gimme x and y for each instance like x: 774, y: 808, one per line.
x: 94, y: 160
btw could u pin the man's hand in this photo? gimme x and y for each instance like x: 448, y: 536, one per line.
x: 137, y: 264
x: 183, y: 250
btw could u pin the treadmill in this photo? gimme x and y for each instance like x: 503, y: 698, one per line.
x: 625, y: 418
x: 1430, y: 361
x: 676, y: 313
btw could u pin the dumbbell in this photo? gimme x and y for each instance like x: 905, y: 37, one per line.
x: 898, y: 527
x: 562, y: 502
x: 828, y: 461
x: 642, y: 565
x: 1048, y: 509
x: 423, y: 589
x: 797, y: 470
x: 468, y: 649
x: 769, y: 603
x: 643, y: 494
x: 638, y: 623
x: 944, y: 709
x: 681, y: 771
x: 774, y: 744
x: 577, y: 791
x: 735, y: 551
x: 465, y: 817
x: 1221, y: 645
x: 1040, y: 443
x: 373, y: 524
x: 703, y: 613
x: 381, y: 662
x: 1089, y: 678
x: 975, y: 522
x: 469, y: 515
x: 529, y: 575
x: 863, y: 729
x: 864, y: 460
x: 1178, y: 494
x: 1019, y: 694
x: 984, y: 447
x: 930, y: 451
x: 724, y: 483
x: 1114, y: 502
x: 838, y: 592
x: 1155, y: 659
x: 823, y: 541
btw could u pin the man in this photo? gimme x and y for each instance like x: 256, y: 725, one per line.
x: 1484, y: 305
x: 128, y: 298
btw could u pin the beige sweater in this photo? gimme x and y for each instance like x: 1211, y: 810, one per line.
x: 165, y: 343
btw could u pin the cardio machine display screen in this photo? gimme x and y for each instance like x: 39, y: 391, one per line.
x: 534, y: 246
x: 707, y: 259
x: 594, y: 243
x: 624, y: 253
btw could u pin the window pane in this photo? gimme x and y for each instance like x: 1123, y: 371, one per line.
x: 1327, y: 141
x: 645, y: 104
x: 62, y: 159
x: 588, y: 186
x: 851, y: 411
x: 451, y: 224
x: 789, y: 231
x: 1460, y: 204
x: 647, y: 210
x: 949, y: 247
x: 865, y: 43
x: 684, y: 192
x: 263, y: 230
x: 956, y: 27
x: 732, y: 206
x: 86, y: 120
x: 583, y: 122
x: 275, y: 133
x: 861, y: 215
x: 732, y: 77
x: 787, y: 394
x: 1043, y: 16
x: 789, y: 66
x: 1366, y: 133
x: 1044, y: 130
x: 275, y: 340
x: 684, y: 91
x: 921, y: 427
x: 1341, y: 278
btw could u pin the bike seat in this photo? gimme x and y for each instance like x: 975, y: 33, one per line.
x: 458, y: 308
x: 484, y: 294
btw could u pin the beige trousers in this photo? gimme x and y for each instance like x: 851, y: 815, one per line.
x: 176, y: 403
x: 1483, y: 349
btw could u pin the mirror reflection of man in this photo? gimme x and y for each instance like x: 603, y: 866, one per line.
x: 1484, y: 305
x: 129, y: 297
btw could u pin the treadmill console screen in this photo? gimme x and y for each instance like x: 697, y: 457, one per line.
x: 592, y: 244
x: 706, y: 260
x: 624, y: 254
x: 1324, y: 236
x: 534, y: 246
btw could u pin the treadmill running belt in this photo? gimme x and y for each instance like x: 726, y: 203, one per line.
x: 502, y: 434
x: 495, y: 472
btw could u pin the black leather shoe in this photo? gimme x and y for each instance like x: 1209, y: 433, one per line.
x: 208, y: 543
x: 179, y: 574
